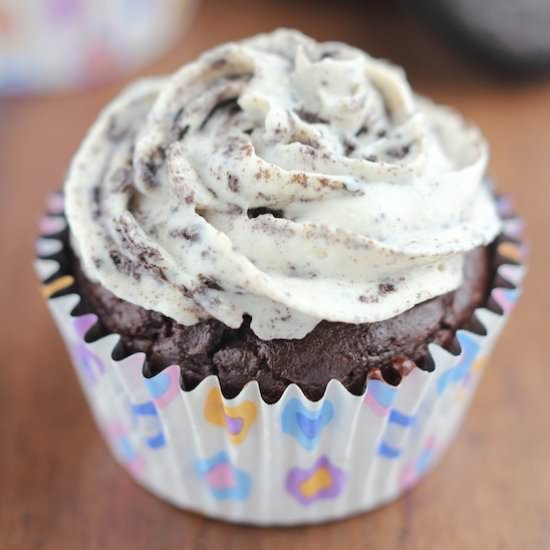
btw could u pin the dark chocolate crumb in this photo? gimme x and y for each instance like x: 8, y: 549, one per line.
x: 214, y: 194
x: 399, y: 152
x: 233, y: 183
x: 386, y: 288
x: 312, y: 144
x: 115, y: 257
x: 124, y: 265
x: 185, y: 291
x: 122, y: 178
x: 311, y: 118
x: 210, y: 282
x: 230, y: 104
x: 182, y: 132
x: 96, y: 199
x: 152, y: 165
x: 264, y: 210
x: 349, y: 147
x: 187, y: 233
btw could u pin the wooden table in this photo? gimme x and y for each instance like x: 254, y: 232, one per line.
x: 60, y: 488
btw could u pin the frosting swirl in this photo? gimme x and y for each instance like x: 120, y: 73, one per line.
x: 282, y: 178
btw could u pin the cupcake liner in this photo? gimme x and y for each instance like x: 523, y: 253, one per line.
x: 291, y: 462
x: 50, y: 45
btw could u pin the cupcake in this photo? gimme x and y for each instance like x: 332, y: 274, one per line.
x: 58, y: 45
x: 278, y: 273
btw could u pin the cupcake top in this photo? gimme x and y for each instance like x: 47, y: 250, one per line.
x: 290, y: 180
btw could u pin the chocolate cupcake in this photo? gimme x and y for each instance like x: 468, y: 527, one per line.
x: 286, y: 245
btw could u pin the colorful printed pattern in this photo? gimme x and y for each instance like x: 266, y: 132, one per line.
x: 224, y: 481
x: 119, y: 438
x: 506, y: 298
x: 320, y: 482
x: 460, y: 371
x: 514, y: 228
x: 459, y: 375
x: 164, y: 387
x: 404, y: 432
x: 304, y: 425
x: 504, y: 205
x: 88, y: 362
x: 415, y: 469
x: 402, y: 420
x: 47, y: 247
x: 48, y: 290
x: 512, y: 251
x: 237, y: 421
x: 462, y: 391
x: 56, y: 203
x: 379, y: 397
x: 147, y: 420
x: 49, y: 225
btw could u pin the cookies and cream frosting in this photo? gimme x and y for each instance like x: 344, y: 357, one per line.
x: 281, y: 178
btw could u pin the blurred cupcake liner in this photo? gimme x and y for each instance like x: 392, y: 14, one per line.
x: 50, y: 45
x: 295, y: 461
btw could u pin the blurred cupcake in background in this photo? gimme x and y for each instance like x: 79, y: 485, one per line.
x: 51, y: 45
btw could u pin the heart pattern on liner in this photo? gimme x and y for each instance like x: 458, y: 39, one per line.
x: 379, y: 397
x: 236, y: 420
x: 305, y: 425
x: 224, y: 481
x: 322, y: 481
x: 165, y: 386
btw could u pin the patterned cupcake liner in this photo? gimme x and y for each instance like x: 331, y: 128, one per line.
x: 292, y: 462
x: 48, y: 45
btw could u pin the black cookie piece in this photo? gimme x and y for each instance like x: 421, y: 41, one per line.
x: 346, y: 352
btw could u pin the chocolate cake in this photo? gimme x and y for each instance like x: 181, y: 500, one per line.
x: 348, y: 353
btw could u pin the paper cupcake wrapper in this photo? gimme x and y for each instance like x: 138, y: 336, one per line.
x: 295, y: 461
x: 50, y: 45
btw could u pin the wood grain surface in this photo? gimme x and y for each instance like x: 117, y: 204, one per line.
x: 59, y: 486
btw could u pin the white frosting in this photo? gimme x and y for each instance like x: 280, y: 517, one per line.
x: 381, y: 192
